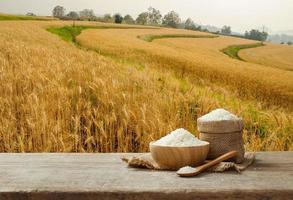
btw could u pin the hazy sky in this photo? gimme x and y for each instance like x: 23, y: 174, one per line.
x: 240, y: 14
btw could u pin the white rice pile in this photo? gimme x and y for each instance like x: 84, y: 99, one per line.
x: 219, y: 115
x: 179, y: 138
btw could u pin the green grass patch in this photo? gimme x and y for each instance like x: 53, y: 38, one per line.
x: 4, y: 17
x: 232, y: 51
x: 68, y: 33
x: 150, y: 38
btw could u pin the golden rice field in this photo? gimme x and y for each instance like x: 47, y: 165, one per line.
x: 199, y: 58
x: 116, y: 92
x: 272, y: 55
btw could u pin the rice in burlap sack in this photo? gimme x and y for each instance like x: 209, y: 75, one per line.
x: 223, y: 136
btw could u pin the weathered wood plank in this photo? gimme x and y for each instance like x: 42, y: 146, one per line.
x: 104, y: 176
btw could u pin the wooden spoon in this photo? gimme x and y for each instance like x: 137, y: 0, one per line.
x: 190, y: 171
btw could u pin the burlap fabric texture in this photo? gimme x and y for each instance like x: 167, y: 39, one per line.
x: 146, y: 161
x: 223, y: 136
x: 223, y: 143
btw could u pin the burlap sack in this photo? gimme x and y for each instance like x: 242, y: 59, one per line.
x: 223, y: 136
x: 221, y: 143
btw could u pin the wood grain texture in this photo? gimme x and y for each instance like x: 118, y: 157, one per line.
x: 197, y: 170
x: 176, y: 157
x: 104, y: 176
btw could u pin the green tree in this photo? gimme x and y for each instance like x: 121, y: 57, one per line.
x: 73, y: 15
x: 172, y: 19
x: 189, y: 24
x: 142, y: 18
x: 87, y: 14
x: 108, y: 18
x: 30, y: 14
x: 118, y: 18
x: 58, y: 12
x: 226, y: 30
x: 289, y: 43
x: 128, y: 19
x: 154, y: 16
x: 256, y: 35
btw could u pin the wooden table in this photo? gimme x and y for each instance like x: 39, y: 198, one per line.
x: 105, y: 176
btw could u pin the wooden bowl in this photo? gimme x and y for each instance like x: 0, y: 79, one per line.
x: 173, y: 158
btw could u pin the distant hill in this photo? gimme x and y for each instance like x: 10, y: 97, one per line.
x: 211, y: 28
x: 6, y: 17
x: 285, y: 32
x: 275, y: 37
x: 279, y: 38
